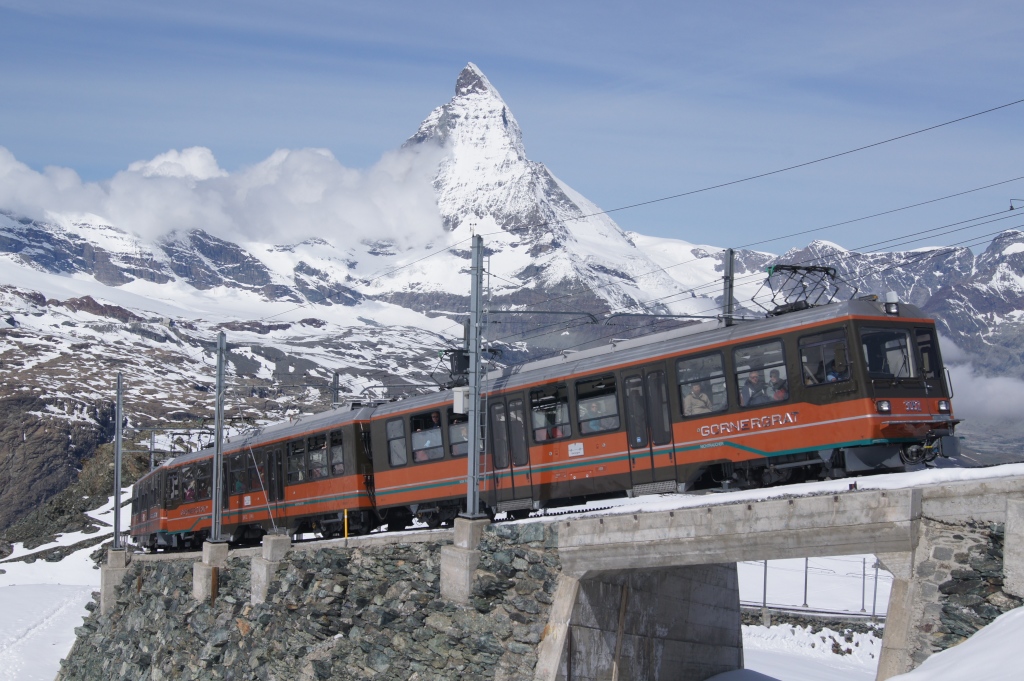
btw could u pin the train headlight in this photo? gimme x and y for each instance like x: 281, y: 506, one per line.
x: 943, y: 406
x: 883, y: 406
x: 892, y: 308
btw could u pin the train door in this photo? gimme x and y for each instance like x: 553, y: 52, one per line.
x: 649, y: 426
x: 275, y: 475
x: 510, y: 452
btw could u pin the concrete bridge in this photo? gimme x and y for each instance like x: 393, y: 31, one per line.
x: 654, y: 595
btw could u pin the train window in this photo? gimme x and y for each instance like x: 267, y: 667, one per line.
x: 517, y: 433
x: 203, y: 479
x: 188, y: 482
x: 256, y: 474
x: 296, y: 461
x: 458, y: 434
x: 427, y: 443
x: 761, y: 376
x: 657, y: 400
x: 499, y: 435
x: 397, y: 455
x: 337, y: 454
x: 887, y: 353
x: 929, y: 353
x: 702, y: 385
x: 550, y: 409
x: 636, y: 411
x: 173, y: 490
x: 596, y: 404
x: 823, y: 358
x: 236, y: 474
x: 317, y: 457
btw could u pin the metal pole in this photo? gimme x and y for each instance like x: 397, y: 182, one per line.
x: 117, y: 465
x: 806, y: 566
x: 863, y: 582
x: 152, y: 449
x: 473, y: 460
x: 218, y: 448
x: 764, y: 594
x: 727, y: 295
x: 335, y: 389
x: 874, y: 599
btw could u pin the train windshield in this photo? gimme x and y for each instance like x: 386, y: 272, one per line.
x: 888, y: 353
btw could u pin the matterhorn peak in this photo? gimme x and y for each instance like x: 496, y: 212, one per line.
x: 471, y: 80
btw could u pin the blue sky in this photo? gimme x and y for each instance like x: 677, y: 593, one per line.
x: 625, y: 104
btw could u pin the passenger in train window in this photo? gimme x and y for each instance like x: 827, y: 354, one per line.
x: 753, y: 390
x: 696, y: 402
x: 778, y: 388
x: 590, y: 418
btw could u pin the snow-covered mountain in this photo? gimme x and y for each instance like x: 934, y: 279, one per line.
x: 85, y: 295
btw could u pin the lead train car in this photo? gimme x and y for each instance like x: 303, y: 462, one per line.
x: 852, y: 387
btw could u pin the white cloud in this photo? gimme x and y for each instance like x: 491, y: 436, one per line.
x: 195, y: 162
x: 977, y: 397
x: 290, y: 196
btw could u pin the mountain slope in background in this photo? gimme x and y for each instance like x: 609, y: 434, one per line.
x: 85, y: 297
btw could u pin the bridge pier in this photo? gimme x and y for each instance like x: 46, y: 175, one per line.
x: 459, y: 561
x: 111, y: 576
x: 215, y: 557
x: 678, y: 623
x: 275, y: 547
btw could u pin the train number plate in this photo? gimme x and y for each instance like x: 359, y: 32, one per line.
x: 912, y: 405
x: 576, y: 449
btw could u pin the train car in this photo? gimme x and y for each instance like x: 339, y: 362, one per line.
x: 847, y: 388
x: 307, y: 475
x: 852, y: 387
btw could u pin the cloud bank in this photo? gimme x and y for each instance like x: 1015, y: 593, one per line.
x: 990, y: 399
x: 290, y: 196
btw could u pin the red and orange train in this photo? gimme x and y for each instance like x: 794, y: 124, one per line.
x: 846, y: 388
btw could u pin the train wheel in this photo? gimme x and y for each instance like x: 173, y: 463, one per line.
x: 519, y: 513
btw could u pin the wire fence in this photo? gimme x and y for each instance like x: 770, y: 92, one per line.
x: 855, y: 585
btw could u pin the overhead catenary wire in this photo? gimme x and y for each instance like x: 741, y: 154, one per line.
x: 569, y: 323
x: 665, y: 268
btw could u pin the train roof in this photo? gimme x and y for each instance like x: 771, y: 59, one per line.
x: 637, y: 350
x: 282, y: 430
x: 694, y: 337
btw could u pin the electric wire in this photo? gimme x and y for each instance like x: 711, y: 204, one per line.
x: 782, y: 170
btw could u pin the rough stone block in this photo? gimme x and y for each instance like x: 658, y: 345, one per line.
x: 261, y: 575
x: 468, y: 532
x: 215, y: 553
x: 457, y: 568
x: 1013, y: 548
x: 275, y: 546
x: 202, y: 581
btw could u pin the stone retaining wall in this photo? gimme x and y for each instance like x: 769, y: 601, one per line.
x: 366, y: 612
x: 965, y: 586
